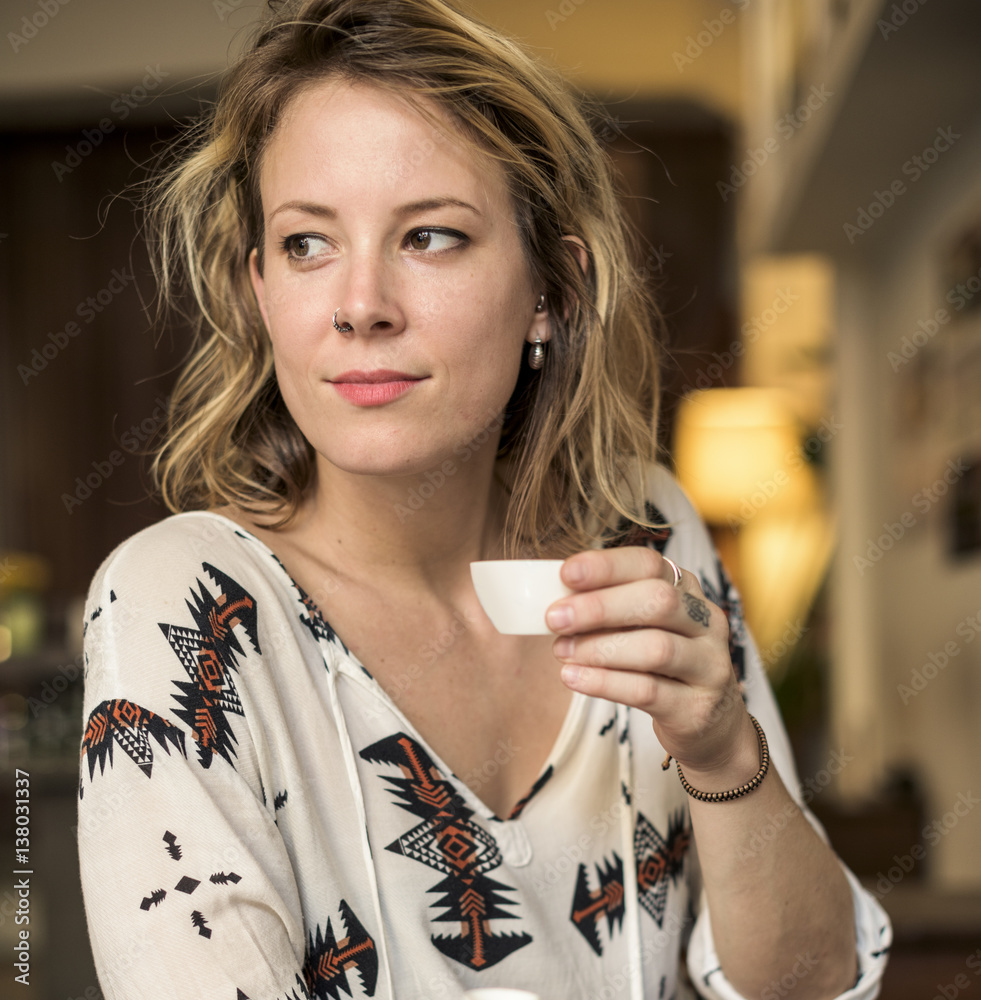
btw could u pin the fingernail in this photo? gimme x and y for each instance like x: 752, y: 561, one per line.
x: 574, y: 572
x: 563, y: 648
x: 571, y: 674
x: 559, y: 617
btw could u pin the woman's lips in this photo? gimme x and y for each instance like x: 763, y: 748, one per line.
x: 373, y: 388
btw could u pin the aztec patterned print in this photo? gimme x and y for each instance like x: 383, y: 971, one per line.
x: 450, y: 842
x: 209, y: 656
x: 126, y: 723
x: 659, y: 860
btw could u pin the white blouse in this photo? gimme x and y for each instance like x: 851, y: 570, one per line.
x: 258, y: 819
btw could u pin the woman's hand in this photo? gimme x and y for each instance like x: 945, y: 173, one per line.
x: 628, y: 634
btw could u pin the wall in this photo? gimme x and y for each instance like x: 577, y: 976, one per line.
x: 617, y: 48
x: 920, y: 595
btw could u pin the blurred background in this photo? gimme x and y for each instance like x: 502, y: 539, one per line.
x: 804, y: 177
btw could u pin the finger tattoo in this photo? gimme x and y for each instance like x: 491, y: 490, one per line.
x: 697, y: 609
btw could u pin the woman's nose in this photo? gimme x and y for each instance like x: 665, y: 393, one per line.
x: 367, y: 301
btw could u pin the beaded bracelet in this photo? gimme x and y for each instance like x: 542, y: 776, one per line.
x: 733, y: 793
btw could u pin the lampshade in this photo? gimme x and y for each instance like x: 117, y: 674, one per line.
x: 784, y: 560
x: 738, y: 451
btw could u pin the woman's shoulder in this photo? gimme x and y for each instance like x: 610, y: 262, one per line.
x: 190, y: 542
x: 667, y: 508
x: 677, y: 528
x: 664, y: 492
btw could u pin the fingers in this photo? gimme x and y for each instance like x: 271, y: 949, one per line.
x: 647, y: 650
x: 657, y: 653
x: 638, y: 603
x: 609, y: 567
x: 652, y: 693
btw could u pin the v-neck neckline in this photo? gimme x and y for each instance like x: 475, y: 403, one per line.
x: 354, y: 669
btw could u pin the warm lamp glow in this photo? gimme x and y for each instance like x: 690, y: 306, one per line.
x: 738, y: 451
x: 784, y: 560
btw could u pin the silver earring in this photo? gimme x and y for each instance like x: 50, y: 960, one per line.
x: 346, y: 328
x: 536, y: 356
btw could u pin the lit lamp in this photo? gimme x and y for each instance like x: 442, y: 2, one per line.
x: 737, y: 451
x: 738, y: 455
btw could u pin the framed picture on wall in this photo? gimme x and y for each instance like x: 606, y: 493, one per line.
x: 962, y: 273
x: 965, y: 512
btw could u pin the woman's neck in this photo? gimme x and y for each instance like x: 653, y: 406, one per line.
x: 416, y: 531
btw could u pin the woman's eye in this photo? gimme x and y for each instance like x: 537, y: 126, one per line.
x: 304, y: 246
x: 434, y: 240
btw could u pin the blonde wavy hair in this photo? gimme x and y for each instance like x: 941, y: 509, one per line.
x: 576, y: 435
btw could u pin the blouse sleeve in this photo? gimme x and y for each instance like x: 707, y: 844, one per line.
x: 692, y: 548
x: 188, y: 888
x: 873, y: 930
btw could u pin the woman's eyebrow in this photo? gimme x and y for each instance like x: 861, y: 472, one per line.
x: 412, y: 208
x: 428, y: 204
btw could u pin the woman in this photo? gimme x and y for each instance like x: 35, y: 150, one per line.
x: 420, y: 346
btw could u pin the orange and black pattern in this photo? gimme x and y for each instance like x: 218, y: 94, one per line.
x: 327, y: 960
x: 209, y: 655
x: 659, y: 860
x: 450, y: 842
x: 126, y: 723
x: 590, y: 906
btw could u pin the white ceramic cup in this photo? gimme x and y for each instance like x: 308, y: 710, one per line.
x: 516, y: 593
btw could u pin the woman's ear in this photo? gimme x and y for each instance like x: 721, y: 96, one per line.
x: 258, y: 284
x: 579, y: 251
x: 538, y: 329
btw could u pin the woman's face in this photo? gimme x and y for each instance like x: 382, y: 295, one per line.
x: 411, y: 237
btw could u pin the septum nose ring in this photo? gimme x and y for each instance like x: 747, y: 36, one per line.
x: 346, y: 328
